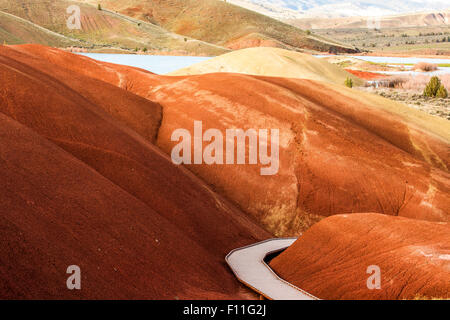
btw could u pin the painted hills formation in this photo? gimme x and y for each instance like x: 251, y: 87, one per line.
x: 190, y: 27
x: 45, y: 22
x: 222, y: 23
x: 273, y: 62
x: 341, y: 151
x: 83, y: 184
x: 331, y: 260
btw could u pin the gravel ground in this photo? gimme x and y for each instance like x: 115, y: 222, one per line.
x: 434, y: 106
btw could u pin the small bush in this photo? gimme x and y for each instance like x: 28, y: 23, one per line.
x: 99, y: 7
x: 424, y: 66
x: 419, y: 82
x: 349, y: 82
x: 442, y: 92
x: 432, y: 87
x: 395, y: 81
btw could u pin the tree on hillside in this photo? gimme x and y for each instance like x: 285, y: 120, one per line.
x: 349, y: 82
x: 435, y: 88
x: 442, y: 92
x: 432, y: 87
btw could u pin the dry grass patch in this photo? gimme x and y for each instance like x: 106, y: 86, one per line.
x: 425, y: 67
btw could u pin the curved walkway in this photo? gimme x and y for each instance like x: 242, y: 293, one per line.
x: 248, y: 265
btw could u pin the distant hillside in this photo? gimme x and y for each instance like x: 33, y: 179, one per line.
x: 423, y: 19
x: 99, y: 28
x: 285, y: 9
x: 222, y: 24
x: 272, y: 62
x: 14, y: 30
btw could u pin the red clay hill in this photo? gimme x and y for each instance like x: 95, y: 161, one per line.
x: 82, y: 184
x: 341, y: 151
x: 336, y: 257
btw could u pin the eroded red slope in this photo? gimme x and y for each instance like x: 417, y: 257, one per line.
x: 331, y: 259
x: 340, y: 151
x: 83, y: 185
x: 366, y: 75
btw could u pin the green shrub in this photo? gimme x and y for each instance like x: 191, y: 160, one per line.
x: 442, y: 92
x: 349, y: 82
x: 432, y: 87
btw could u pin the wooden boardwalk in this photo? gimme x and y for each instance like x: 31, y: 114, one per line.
x: 248, y: 265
